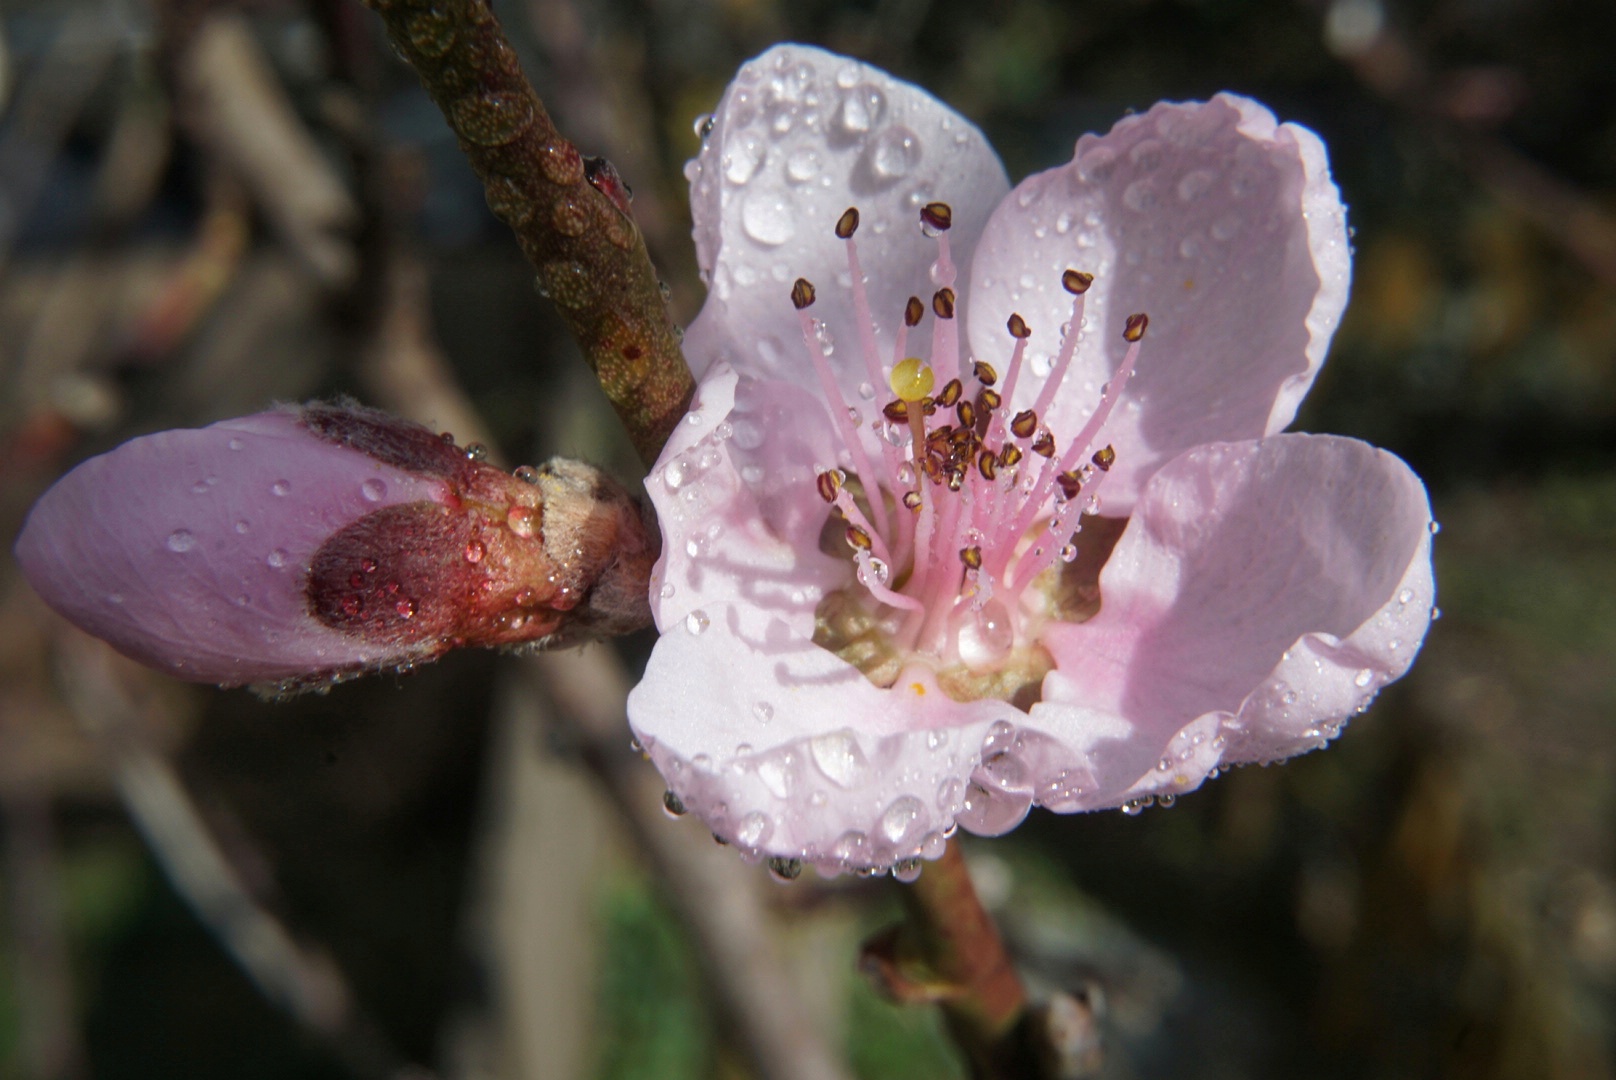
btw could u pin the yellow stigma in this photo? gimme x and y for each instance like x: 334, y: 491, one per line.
x: 912, y: 379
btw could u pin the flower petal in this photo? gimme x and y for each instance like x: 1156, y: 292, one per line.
x: 734, y: 493
x: 800, y: 136
x: 1263, y: 592
x: 1220, y: 224
x: 787, y: 751
x: 189, y: 550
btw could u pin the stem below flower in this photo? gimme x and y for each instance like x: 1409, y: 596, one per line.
x: 949, y: 951
x: 570, y: 218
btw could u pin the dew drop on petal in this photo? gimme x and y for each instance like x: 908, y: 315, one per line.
x: 894, y: 152
x: 277, y: 558
x: 767, y: 218
x: 763, y: 711
x: 181, y: 540
x: 242, y: 526
x: 697, y: 622
x: 1363, y: 677
x: 281, y: 487
x: 899, y: 818
x: 374, y: 489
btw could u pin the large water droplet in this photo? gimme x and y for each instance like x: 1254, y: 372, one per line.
x: 767, y: 219
x: 281, y: 488
x: 803, y: 165
x: 986, y: 635
x: 753, y: 830
x: 181, y: 540
x: 1192, y: 185
x: 697, y: 622
x: 1363, y: 677
x: 374, y: 489
x: 742, y: 161
x: 899, y: 818
x: 1140, y: 195
x: 894, y: 153
x: 861, y: 110
x: 838, y: 756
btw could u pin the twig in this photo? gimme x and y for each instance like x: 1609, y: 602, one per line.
x: 590, y: 256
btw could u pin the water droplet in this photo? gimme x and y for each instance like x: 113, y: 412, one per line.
x: 1068, y: 553
x: 894, y: 152
x: 281, y: 488
x: 374, y: 489
x: 431, y: 31
x: 1435, y: 527
x: 763, y: 711
x: 802, y: 166
x: 697, y: 622
x: 986, y: 635
x: 767, y: 218
x: 521, y: 520
x: 861, y: 109
x: 782, y: 869
x: 866, y: 391
x: 235, y: 444
x: 1405, y: 596
x: 352, y: 605
x: 673, y: 475
x: 753, y: 830
x: 1436, y: 613
x: 1194, y: 184
x: 1227, y: 227
x: 672, y: 805
x: 1363, y: 677
x: 475, y: 550
x: 181, y: 540
x: 703, y: 126
x: 900, y: 818
x: 405, y: 607
x: 242, y: 526
x: 838, y: 756
x: 742, y: 161
x: 277, y: 558
x: 666, y: 591
x: 492, y: 119
x: 907, y: 870
x: 1140, y: 195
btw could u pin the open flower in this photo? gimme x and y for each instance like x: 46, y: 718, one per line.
x: 305, y: 545
x: 982, y: 502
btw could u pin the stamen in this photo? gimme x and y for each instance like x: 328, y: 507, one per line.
x: 829, y: 483
x: 942, y: 303
x: 938, y: 215
x: 951, y: 394
x: 1077, y: 283
x: 912, y: 312
x: 971, y: 557
x: 984, y: 373
x: 846, y: 226
x: 1044, y: 444
x: 1024, y: 424
x: 802, y: 296
x: 858, y: 538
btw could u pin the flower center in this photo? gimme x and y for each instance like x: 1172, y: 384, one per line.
x: 953, y: 527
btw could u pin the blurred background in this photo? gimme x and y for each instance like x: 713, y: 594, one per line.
x: 464, y: 872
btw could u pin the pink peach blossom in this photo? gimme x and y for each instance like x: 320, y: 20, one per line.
x: 843, y: 684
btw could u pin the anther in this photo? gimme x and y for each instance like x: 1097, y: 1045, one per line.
x: 1018, y: 327
x: 1070, y: 485
x: 1135, y: 328
x: 912, y: 311
x: 802, y: 293
x: 1009, y: 454
x: 967, y: 415
x: 942, y: 302
x: 1104, y: 458
x: 987, y: 464
x: 858, y: 538
x: 1024, y: 424
x: 985, y: 373
x: 939, y: 215
x: 951, y: 393
x: 896, y: 411
x: 829, y: 483
x: 911, y: 499
x: 1044, y: 444
x: 989, y: 400
x: 971, y: 557
x: 1076, y: 282
x: 848, y: 223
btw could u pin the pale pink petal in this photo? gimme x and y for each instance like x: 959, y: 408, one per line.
x: 800, y: 136
x: 189, y: 550
x: 735, y: 496
x: 1221, y: 225
x: 1262, y: 593
x: 786, y: 751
